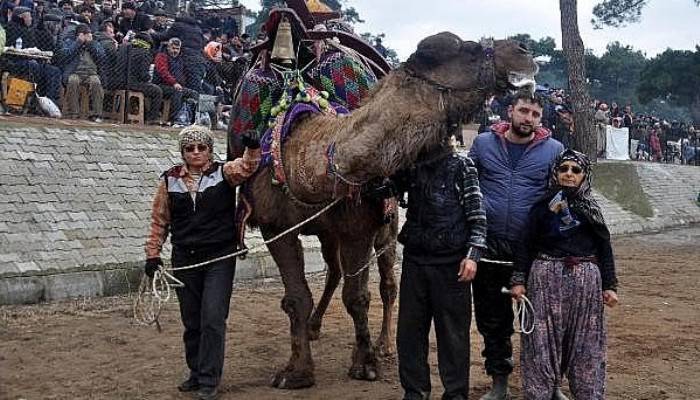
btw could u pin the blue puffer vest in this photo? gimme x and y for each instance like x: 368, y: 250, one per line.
x: 510, y: 190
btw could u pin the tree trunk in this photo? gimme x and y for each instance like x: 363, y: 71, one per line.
x: 585, y: 138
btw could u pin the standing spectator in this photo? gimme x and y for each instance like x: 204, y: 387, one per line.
x: 198, y: 234
x: 186, y: 29
x: 511, y: 182
x: 655, y: 144
x: 379, y: 46
x: 566, y: 261
x: 130, y: 20
x: 627, y: 117
x: 564, y: 126
x: 135, y: 58
x: 170, y: 76
x: 602, y: 119
x: 231, y: 26
x: 46, y: 76
x: 443, y: 237
x: 81, y: 61
x: 160, y: 20
x: 614, y: 111
x: 89, y: 14
x: 66, y: 6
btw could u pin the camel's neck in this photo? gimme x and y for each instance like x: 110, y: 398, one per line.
x: 403, y: 117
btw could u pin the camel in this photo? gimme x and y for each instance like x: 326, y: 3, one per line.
x: 410, y: 111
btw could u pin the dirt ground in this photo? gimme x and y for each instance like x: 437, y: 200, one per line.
x: 91, y: 349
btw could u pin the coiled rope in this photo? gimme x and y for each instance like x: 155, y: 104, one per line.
x: 523, y: 312
x: 148, y: 303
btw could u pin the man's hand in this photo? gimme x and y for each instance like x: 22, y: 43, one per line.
x: 518, y: 291
x: 610, y: 298
x: 177, y: 87
x: 467, y: 270
x: 152, y: 264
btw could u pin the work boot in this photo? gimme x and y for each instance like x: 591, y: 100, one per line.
x: 499, y: 391
x: 189, y: 385
x: 558, y: 395
x: 207, y: 393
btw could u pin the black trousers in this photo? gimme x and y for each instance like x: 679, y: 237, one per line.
x: 204, y: 305
x: 494, y: 316
x: 176, y: 98
x: 432, y: 293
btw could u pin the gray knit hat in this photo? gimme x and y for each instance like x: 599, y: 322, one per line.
x: 196, y: 134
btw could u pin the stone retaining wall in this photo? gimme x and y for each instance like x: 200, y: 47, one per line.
x: 75, y: 203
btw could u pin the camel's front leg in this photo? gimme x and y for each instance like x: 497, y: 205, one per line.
x: 331, y: 255
x: 354, y: 255
x: 297, y: 303
x: 386, y: 243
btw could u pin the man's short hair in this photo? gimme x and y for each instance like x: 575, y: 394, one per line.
x: 527, y: 97
x: 82, y: 28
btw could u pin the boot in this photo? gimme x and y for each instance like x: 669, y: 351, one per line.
x: 499, y: 391
x: 558, y: 395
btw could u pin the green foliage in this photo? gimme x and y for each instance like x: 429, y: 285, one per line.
x: 618, y: 13
x: 673, y: 75
x: 543, y: 47
x: 391, y: 54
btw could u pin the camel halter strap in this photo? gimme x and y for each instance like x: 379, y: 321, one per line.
x: 487, y: 70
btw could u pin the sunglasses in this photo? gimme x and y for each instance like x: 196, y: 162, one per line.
x: 200, y: 147
x: 565, y: 168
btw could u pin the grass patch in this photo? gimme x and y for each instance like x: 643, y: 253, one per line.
x: 620, y: 183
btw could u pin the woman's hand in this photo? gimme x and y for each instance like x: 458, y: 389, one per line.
x: 467, y: 270
x: 610, y: 298
x: 518, y: 291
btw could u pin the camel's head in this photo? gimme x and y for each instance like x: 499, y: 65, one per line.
x: 492, y: 65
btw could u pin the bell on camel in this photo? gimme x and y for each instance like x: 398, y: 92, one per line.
x: 283, y: 50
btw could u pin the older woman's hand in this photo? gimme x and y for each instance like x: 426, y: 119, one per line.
x: 518, y: 291
x: 610, y: 298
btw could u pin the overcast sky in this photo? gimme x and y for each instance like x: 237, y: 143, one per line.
x: 665, y: 23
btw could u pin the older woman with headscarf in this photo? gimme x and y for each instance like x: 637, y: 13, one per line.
x: 566, y: 262
x: 195, y: 203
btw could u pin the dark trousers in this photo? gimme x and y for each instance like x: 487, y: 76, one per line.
x: 494, y: 316
x: 432, y: 293
x: 195, y: 68
x: 204, y: 305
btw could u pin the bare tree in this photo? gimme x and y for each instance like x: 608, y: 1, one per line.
x: 585, y: 137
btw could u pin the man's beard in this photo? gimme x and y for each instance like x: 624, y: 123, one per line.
x: 522, y: 130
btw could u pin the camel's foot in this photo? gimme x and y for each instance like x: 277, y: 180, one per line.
x: 289, y: 378
x: 365, y: 366
x: 314, y: 329
x: 385, y: 347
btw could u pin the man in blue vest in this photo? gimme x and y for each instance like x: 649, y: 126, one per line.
x: 513, y: 160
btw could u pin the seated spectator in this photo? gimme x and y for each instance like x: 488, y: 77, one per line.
x: 135, y: 59
x: 105, y: 37
x: 170, y: 76
x: 81, y: 60
x: 213, y: 84
x: 106, y: 12
x: 46, y: 76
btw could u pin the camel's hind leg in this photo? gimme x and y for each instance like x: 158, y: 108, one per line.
x: 386, y: 242
x: 354, y: 254
x: 297, y: 303
x: 331, y: 255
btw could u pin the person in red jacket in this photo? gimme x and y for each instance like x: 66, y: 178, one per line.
x: 170, y: 76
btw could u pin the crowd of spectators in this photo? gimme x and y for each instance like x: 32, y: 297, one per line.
x: 138, y: 48
x: 651, y: 138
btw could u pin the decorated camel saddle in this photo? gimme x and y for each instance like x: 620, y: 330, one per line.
x: 310, y: 63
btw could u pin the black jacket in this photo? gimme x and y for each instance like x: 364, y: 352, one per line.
x: 17, y: 29
x: 445, y: 217
x: 133, y: 65
x: 189, y: 33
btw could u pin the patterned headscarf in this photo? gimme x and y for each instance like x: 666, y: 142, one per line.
x: 196, y: 134
x: 581, y: 199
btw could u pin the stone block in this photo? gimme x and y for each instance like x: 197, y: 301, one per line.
x: 75, y: 284
x: 21, y: 290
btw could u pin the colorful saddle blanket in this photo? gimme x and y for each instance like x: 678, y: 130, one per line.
x: 346, y: 80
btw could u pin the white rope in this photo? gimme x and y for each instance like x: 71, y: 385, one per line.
x: 523, y: 312
x: 147, y: 308
x: 369, y: 262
